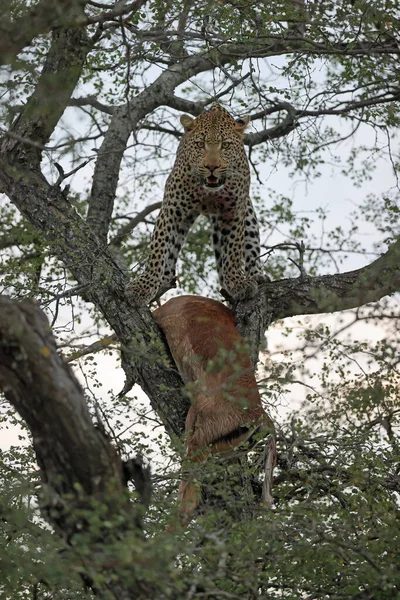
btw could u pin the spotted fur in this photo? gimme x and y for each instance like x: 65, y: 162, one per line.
x: 210, y: 176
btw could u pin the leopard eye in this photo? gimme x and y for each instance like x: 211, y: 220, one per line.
x: 200, y: 144
x: 226, y: 144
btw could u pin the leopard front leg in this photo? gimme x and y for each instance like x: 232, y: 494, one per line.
x: 252, y: 262
x: 169, y: 234
x: 228, y: 240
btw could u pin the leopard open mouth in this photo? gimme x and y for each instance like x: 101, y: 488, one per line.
x: 212, y: 183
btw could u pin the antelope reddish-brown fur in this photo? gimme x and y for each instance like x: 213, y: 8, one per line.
x: 226, y: 405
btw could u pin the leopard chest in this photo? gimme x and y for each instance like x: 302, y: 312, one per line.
x: 223, y: 202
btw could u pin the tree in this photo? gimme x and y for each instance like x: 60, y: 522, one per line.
x: 92, y: 92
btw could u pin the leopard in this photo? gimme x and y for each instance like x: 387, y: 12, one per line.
x: 210, y: 176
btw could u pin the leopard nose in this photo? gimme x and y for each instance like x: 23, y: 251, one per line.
x: 212, y: 168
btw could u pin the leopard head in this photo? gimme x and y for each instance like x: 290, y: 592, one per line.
x: 213, y: 147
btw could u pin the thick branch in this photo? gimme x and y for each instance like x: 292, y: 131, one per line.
x: 330, y: 293
x: 315, y: 295
x: 40, y: 18
x: 281, y: 129
x: 42, y: 388
x: 184, y: 105
x: 73, y: 242
x: 275, y: 45
x: 79, y: 467
x: 46, y: 105
x: 294, y: 115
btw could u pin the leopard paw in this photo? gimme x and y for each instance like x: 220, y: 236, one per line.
x: 260, y: 278
x: 138, y: 292
x: 242, y: 290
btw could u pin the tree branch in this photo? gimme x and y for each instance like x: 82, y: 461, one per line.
x: 80, y: 469
x: 91, y: 101
x: 46, y: 105
x: 342, y: 291
x: 73, y: 242
x: 184, y: 105
x: 276, y: 45
x: 288, y: 124
x: 97, y: 346
x: 38, y: 19
x: 316, y: 295
x: 48, y: 15
x: 44, y: 391
x: 132, y: 223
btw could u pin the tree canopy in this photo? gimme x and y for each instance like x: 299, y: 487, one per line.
x: 91, y: 97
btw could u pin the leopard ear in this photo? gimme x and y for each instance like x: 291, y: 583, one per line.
x: 242, y: 123
x: 187, y: 122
